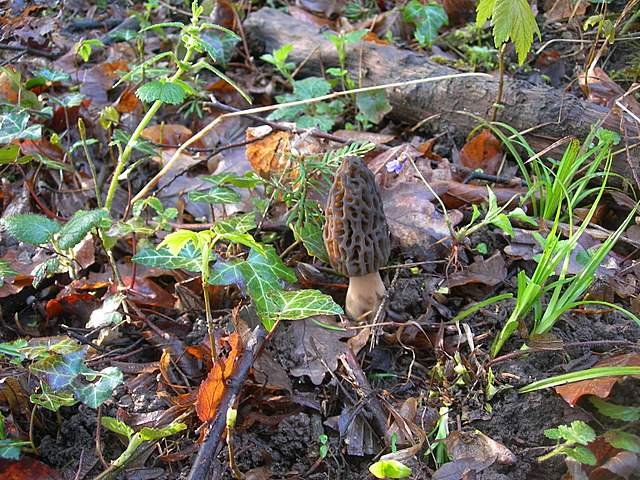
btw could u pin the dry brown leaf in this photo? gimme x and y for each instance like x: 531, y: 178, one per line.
x: 491, y: 271
x: 268, y: 152
x: 600, y: 387
x: 556, y: 10
x: 127, y: 102
x: 27, y: 469
x: 478, y: 446
x: 167, y: 133
x: 600, y: 89
x: 482, y: 151
x: 212, y: 388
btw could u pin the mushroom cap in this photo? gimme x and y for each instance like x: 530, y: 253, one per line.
x: 355, y: 233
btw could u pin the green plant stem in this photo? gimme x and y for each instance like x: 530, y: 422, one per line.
x: 126, y: 153
x: 205, y: 292
x: 551, y: 454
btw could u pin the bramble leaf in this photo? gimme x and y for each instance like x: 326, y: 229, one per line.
x: 163, y: 91
x: 78, y: 226
x: 222, y: 195
x: 31, y: 228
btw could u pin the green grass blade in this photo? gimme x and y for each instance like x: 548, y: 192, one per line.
x: 589, y: 374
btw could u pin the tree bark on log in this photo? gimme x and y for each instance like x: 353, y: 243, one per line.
x: 550, y: 113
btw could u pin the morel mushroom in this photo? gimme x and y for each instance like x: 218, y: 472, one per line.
x: 357, y: 236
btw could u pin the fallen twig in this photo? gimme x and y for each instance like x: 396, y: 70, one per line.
x: 206, y: 454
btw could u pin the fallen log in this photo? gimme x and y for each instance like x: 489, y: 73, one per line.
x: 549, y: 113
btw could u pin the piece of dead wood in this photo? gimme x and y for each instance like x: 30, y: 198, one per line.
x: 206, y: 454
x: 548, y: 113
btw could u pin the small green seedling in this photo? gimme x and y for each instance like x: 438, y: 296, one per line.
x: 389, y: 469
x: 324, y: 446
x: 279, y: 60
x: 84, y: 48
x: 427, y: 18
x: 572, y: 442
x: 136, y: 438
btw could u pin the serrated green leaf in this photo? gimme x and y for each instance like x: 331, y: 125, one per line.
x: 581, y: 454
x: 116, y: 426
x: 59, y: 371
x: 552, y: 433
x: 148, y: 434
x: 30, y: 228
x: 95, y: 394
x: 484, y: 11
x: 617, y: 412
x: 77, y: 228
x: 578, y: 432
x: 389, y: 469
x: 163, y: 91
x: 623, y: 440
x: 373, y: 106
x: 217, y: 195
x: 514, y: 19
x: 428, y: 19
x: 14, y: 126
x: 53, y: 400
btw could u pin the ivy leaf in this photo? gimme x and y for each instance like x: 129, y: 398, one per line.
x: 94, y: 394
x: 237, y: 223
x: 216, y: 195
x: 296, y: 305
x: 310, y: 234
x: 428, y: 19
x: 59, y: 371
x: 175, y: 241
x: 53, y: 400
x: 227, y: 273
x: 188, y: 258
x: 30, y: 228
x: 80, y: 224
x: 14, y: 126
x: 116, y: 426
x: 163, y: 91
x: 373, y: 106
x: 248, y: 180
x: 245, y: 239
x: 48, y: 267
x: 269, y: 261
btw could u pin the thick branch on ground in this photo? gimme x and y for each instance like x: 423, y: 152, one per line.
x: 524, y: 105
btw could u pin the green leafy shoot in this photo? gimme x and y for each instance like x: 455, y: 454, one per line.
x: 427, y: 18
x: 511, y: 20
x: 389, y: 469
x: 84, y: 48
x: 136, y: 439
x: 278, y: 58
x: 572, y: 442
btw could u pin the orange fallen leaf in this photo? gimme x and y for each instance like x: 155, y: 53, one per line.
x: 127, y: 102
x: 268, y: 152
x: 212, y: 388
x: 482, y: 151
x: 556, y: 10
x: 167, y: 133
x: 600, y: 387
x: 75, y: 304
x: 27, y: 469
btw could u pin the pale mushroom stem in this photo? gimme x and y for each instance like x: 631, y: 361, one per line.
x: 364, y: 296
